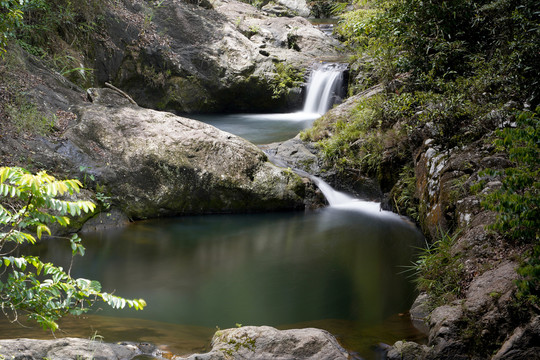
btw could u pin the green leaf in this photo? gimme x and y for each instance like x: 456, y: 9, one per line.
x: 41, y: 228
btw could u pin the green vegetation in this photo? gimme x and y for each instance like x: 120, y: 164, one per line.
x: 517, y: 201
x: 10, y: 18
x: 403, y: 194
x: 529, y: 282
x: 438, y: 271
x: 286, y: 78
x: 27, y: 118
x: 44, y: 292
x: 58, y: 31
x: 325, y: 8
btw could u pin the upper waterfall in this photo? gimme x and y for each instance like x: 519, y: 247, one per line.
x: 324, y: 88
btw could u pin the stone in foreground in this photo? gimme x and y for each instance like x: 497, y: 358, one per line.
x: 264, y: 342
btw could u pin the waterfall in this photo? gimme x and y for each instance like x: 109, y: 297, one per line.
x: 324, y: 88
x: 340, y: 200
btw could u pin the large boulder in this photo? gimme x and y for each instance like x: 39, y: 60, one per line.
x: 158, y: 164
x: 202, y: 57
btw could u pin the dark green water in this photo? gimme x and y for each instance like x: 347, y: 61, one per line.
x: 333, y: 269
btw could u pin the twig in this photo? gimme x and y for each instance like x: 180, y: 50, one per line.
x: 121, y: 93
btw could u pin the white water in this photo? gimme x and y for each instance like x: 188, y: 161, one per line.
x: 339, y: 200
x: 323, y: 86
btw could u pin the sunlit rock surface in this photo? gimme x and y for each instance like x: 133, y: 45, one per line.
x: 158, y: 164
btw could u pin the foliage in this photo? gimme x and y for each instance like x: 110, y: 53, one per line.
x: 529, y: 282
x: 439, y: 272
x: 287, y: 77
x: 326, y: 8
x: 10, y: 17
x: 517, y: 201
x: 354, y: 143
x: 43, y: 291
x: 57, y: 30
x: 403, y: 194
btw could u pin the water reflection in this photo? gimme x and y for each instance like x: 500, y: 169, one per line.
x: 318, y: 268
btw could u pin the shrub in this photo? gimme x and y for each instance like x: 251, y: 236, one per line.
x: 287, y: 77
x: 439, y: 272
x: 517, y: 201
x: 42, y: 291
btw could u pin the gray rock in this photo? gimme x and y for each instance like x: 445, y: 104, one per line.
x: 420, y: 311
x: 300, y: 7
x: 296, y: 154
x: 190, y: 58
x: 444, y: 323
x: 524, y: 343
x: 490, y: 286
x: 407, y: 350
x: 264, y: 342
x: 278, y: 10
x: 107, y: 97
x: 111, y: 219
x: 159, y: 164
x: 68, y: 348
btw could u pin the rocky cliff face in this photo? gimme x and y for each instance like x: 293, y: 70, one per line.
x: 202, y: 57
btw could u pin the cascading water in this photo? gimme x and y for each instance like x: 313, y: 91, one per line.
x: 325, y: 87
x: 339, y: 200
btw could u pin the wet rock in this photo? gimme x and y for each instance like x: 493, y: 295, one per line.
x: 303, y: 157
x: 106, y: 220
x: 420, y: 311
x: 296, y: 154
x: 264, y: 342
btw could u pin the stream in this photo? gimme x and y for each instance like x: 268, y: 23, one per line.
x: 340, y: 268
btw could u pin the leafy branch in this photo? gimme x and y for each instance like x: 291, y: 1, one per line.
x: 43, y: 291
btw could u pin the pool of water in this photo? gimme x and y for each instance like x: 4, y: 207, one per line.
x: 338, y: 269
x: 260, y: 128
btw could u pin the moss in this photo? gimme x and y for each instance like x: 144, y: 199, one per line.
x: 184, y: 94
